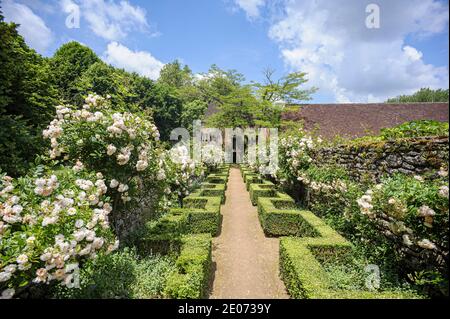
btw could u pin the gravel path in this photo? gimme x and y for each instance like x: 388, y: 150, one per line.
x: 245, y: 261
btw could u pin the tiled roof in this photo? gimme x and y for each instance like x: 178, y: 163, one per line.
x: 355, y: 120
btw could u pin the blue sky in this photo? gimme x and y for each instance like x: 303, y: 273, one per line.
x: 327, y: 39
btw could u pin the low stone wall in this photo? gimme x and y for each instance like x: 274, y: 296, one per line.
x: 373, y: 160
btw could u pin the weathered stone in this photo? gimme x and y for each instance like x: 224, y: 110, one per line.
x: 408, y: 166
x: 394, y: 161
x: 405, y: 171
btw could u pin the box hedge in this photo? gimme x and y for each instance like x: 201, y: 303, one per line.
x: 305, y: 277
x: 190, y: 280
x: 280, y: 217
x: 261, y: 189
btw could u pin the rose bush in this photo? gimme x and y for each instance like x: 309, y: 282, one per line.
x: 212, y: 156
x: 400, y: 224
x: 295, y: 154
x: 184, y: 175
x: 123, y: 146
x: 49, y: 224
x: 413, y: 212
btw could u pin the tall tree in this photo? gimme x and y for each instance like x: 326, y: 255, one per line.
x: 69, y: 63
x: 286, y: 89
x: 175, y: 75
x: 27, y: 97
x: 236, y: 109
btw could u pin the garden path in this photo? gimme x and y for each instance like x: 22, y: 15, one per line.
x: 246, y: 262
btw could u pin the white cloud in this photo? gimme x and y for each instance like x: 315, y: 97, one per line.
x: 36, y: 33
x: 251, y: 7
x: 141, y: 62
x: 330, y: 41
x: 109, y: 19
x: 68, y: 6
x: 412, y: 53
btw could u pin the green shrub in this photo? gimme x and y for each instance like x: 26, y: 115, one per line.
x: 122, y: 275
x: 263, y: 189
x: 163, y: 235
x: 416, y: 129
x: 280, y: 217
x: 305, y: 277
x: 204, y: 214
x: 210, y: 192
x: 191, y: 277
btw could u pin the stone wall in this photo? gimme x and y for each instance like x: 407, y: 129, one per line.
x: 373, y: 160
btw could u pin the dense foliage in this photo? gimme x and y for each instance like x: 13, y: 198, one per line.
x: 416, y: 129
x: 424, y: 95
x: 123, y: 274
x: 26, y: 99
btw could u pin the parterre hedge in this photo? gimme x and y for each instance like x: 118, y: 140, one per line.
x: 280, y: 217
x: 193, y: 264
x: 315, y: 242
x: 187, y: 231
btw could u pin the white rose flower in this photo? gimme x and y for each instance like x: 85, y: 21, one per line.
x: 122, y: 188
x: 22, y: 259
x: 5, y: 276
x: 443, y: 191
x: 79, y: 223
x: 114, y: 183
x: 111, y: 149
x: 31, y: 240
x: 426, y: 244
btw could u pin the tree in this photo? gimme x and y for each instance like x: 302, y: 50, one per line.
x: 69, y: 63
x: 192, y: 111
x: 235, y: 110
x: 174, y: 75
x: 103, y: 80
x: 286, y: 89
x: 424, y: 95
x: 167, y: 108
x: 218, y: 83
x: 27, y: 97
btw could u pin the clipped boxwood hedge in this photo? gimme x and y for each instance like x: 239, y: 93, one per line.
x: 305, y: 277
x: 203, y: 214
x: 262, y: 189
x: 200, y: 214
x: 280, y: 217
x: 315, y: 242
x: 212, y: 190
x: 187, y: 232
x: 193, y: 264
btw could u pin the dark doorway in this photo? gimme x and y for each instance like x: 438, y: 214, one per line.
x: 234, y: 150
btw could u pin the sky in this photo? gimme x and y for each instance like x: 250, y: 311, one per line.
x: 351, y: 50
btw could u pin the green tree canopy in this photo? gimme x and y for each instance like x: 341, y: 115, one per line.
x: 175, y: 75
x: 27, y: 97
x: 287, y: 89
x: 69, y: 63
